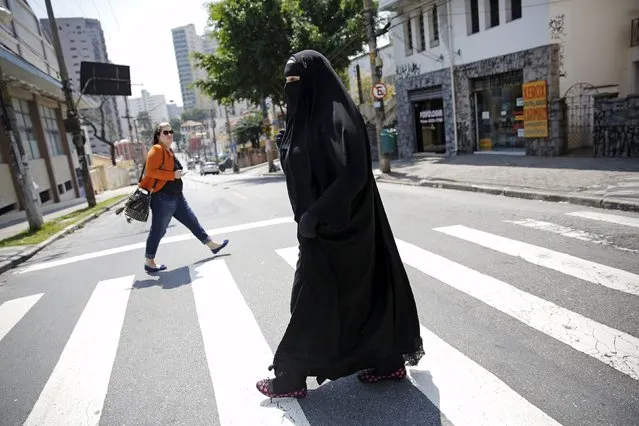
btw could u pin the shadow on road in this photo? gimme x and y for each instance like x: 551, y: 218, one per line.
x: 355, y: 403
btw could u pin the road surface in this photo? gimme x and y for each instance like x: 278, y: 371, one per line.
x: 529, y: 313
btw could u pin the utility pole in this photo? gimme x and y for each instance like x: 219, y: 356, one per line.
x: 269, y: 151
x: 213, y: 115
x: 19, y: 162
x: 73, y: 121
x: 384, y: 159
x: 236, y: 168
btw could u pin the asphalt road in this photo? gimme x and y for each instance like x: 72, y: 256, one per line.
x: 529, y: 312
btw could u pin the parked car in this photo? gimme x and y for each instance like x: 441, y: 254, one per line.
x: 226, y: 164
x: 209, y: 167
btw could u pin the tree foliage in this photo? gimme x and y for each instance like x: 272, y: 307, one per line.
x: 198, y: 115
x: 255, y: 38
x: 249, y: 129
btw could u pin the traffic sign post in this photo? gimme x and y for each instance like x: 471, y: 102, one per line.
x: 378, y: 91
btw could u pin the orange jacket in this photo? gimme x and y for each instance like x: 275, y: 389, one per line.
x: 153, y: 170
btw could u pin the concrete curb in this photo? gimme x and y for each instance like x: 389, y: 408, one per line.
x: 31, y: 251
x: 529, y: 194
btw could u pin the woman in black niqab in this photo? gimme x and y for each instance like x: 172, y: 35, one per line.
x: 352, y: 307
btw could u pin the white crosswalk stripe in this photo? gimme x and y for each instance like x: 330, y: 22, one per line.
x: 566, y: 231
x: 607, y: 217
x: 75, y: 391
x: 586, y: 270
x: 463, y: 390
x: 12, y: 311
x: 218, y: 302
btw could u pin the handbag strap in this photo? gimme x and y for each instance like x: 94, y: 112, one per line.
x: 144, y: 168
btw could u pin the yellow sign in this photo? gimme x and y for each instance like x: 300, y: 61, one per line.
x: 535, y: 109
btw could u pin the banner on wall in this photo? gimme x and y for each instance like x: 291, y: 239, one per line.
x: 535, y: 109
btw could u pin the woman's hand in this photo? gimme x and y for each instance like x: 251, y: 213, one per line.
x: 179, y: 174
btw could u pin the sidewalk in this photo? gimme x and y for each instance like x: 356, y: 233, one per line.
x: 598, y: 182
x: 14, y: 223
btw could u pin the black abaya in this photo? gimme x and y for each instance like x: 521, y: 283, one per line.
x: 352, y: 306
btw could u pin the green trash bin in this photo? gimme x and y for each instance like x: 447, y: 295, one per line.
x: 388, y: 141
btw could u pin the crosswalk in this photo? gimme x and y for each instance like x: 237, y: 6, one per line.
x: 463, y: 390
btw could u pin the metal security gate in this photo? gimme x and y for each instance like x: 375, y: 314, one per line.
x: 580, y: 111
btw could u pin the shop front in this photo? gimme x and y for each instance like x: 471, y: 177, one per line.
x: 499, y: 114
x: 428, y: 116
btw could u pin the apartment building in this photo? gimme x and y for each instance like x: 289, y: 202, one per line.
x: 82, y: 39
x: 155, y: 105
x: 185, y: 42
x: 525, y: 72
x: 29, y: 70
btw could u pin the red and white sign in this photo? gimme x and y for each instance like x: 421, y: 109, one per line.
x: 379, y: 91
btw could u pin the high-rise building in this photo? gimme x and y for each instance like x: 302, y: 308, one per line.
x: 155, y: 105
x: 185, y: 42
x: 82, y: 39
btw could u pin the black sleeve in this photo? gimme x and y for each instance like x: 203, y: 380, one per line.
x: 334, y: 205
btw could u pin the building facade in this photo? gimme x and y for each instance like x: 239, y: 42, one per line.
x: 525, y: 78
x: 185, y: 42
x: 82, y: 39
x: 155, y: 105
x: 30, y: 76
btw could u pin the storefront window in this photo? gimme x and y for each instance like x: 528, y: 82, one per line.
x: 429, y: 123
x: 500, y: 119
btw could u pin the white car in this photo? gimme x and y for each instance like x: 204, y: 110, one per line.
x: 209, y: 167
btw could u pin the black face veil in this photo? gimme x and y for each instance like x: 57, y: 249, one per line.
x: 310, y: 100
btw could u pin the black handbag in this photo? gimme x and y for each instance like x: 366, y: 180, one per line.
x: 139, y: 203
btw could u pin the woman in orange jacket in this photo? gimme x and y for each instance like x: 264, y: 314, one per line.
x: 163, y: 178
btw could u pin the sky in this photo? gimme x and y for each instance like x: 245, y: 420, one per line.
x: 138, y: 34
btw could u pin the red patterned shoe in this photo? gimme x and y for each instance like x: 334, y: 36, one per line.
x: 369, y: 376
x: 266, y: 387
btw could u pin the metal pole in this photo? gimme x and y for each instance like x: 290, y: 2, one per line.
x: 19, y: 161
x: 384, y: 159
x: 236, y: 168
x: 217, y: 160
x: 73, y: 120
x: 268, y: 148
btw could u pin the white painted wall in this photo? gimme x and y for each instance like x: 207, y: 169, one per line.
x: 596, y: 41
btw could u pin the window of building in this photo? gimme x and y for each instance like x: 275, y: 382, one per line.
x: 434, y: 27
x: 408, y: 34
x: 25, y: 128
x: 513, y: 10
x: 492, y: 13
x: 51, y: 131
x: 422, y: 33
x: 472, y: 18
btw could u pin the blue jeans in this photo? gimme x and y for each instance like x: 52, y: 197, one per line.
x: 163, y: 208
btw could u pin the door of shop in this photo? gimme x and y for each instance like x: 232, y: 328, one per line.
x: 429, y: 126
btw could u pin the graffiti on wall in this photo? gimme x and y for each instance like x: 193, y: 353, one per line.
x: 408, y: 70
x: 558, y: 34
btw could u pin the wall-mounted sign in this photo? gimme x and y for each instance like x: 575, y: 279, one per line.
x: 535, y: 109
x: 430, y: 116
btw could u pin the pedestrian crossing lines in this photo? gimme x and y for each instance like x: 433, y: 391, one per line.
x: 236, y: 349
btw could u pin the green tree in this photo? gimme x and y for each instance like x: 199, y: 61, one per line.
x: 146, y: 126
x: 177, y: 135
x: 195, y: 114
x: 257, y: 37
x: 249, y: 129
